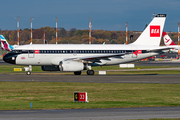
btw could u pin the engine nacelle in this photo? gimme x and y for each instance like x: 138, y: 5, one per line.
x: 72, y: 66
x: 50, y: 68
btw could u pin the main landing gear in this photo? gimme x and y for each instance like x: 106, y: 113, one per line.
x: 89, y: 72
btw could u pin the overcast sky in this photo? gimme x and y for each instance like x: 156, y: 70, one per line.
x: 105, y: 14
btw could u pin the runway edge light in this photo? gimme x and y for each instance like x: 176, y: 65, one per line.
x: 80, y: 97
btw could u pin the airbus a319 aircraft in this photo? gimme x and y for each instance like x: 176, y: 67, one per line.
x: 78, y: 57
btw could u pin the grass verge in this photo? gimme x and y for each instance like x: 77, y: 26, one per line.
x: 53, y: 95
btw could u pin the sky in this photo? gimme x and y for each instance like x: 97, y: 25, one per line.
x: 105, y: 14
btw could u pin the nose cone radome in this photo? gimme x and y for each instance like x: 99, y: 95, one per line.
x: 10, y: 58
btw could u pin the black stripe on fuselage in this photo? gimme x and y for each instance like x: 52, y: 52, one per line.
x: 76, y: 51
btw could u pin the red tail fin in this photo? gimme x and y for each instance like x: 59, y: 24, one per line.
x: 167, y: 40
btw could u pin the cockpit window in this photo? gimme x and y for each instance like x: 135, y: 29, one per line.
x: 19, y: 51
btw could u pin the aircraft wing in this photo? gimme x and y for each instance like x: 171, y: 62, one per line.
x: 161, y: 48
x: 175, y: 47
x: 97, y: 57
x: 92, y: 58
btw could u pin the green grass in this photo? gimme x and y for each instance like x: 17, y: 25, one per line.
x: 161, y: 119
x: 10, y: 68
x: 55, y: 95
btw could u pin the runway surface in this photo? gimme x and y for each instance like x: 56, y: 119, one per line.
x: 93, y: 114
x: 152, y: 78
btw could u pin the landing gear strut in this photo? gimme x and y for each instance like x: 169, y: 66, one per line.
x: 90, y: 72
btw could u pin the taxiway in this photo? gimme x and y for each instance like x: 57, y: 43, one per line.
x: 93, y: 114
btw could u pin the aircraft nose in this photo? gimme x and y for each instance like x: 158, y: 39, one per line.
x: 10, y: 58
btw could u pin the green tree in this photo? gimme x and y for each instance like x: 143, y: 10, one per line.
x: 72, y: 32
x: 62, y: 33
x: 81, y: 32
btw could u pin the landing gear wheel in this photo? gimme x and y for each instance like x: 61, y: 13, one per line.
x: 90, y: 72
x: 28, y: 73
x: 77, y: 73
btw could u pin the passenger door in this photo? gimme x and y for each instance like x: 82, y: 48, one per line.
x: 31, y: 52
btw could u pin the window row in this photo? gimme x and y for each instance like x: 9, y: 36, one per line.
x: 76, y: 51
x: 84, y: 51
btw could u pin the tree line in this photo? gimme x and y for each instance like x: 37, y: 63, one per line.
x: 73, y: 36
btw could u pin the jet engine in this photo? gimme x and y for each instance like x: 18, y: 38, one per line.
x: 72, y: 66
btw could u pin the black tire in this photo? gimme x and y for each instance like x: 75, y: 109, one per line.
x: 77, y: 73
x: 28, y: 73
x: 90, y: 72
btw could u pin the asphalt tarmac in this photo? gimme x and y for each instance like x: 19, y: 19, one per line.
x: 2, y: 62
x: 149, y: 78
x: 92, y: 114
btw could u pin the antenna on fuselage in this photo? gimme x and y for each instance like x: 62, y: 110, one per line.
x: 154, y: 15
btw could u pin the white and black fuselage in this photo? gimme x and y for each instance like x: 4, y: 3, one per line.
x: 94, y: 55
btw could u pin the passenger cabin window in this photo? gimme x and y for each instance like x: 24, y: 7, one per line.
x: 24, y: 51
x: 77, y: 51
x: 31, y: 51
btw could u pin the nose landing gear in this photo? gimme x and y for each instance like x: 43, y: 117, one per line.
x: 28, y: 73
x: 28, y: 69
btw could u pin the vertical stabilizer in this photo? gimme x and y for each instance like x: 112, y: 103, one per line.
x: 4, y: 44
x: 153, y: 32
x: 167, y: 40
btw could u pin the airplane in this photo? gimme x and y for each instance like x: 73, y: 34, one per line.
x: 169, y: 42
x: 78, y: 57
x: 5, y: 45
